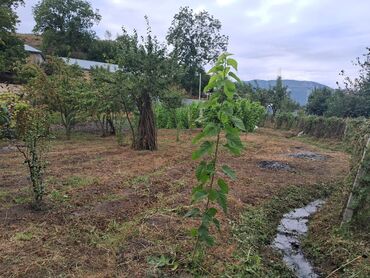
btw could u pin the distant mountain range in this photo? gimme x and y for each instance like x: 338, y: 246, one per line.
x: 299, y: 90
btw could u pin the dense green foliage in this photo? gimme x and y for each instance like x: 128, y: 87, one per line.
x: 172, y: 100
x: 320, y: 127
x: 278, y: 94
x: 11, y: 48
x: 276, y: 97
x: 345, y: 104
x: 149, y: 72
x: 351, y: 101
x: 251, y: 113
x: 196, y: 41
x: 185, y: 117
x: 60, y: 87
x: 362, y: 197
x: 318, y: 101
x: 100, y: 100
x: 10, y: 105
x: 102, y: 50
x: 188, y: 116
x: 65, y: 25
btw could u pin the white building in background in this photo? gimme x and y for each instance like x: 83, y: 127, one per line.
x: 35, y: 56
x: 88, y: 65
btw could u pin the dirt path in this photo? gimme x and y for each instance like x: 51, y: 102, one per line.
x: 111, y: 209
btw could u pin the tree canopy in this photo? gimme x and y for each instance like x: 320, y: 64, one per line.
x: 318, y: 101
x: 150, y: 71
x: 353, y: 100
x: 11, y: 48
x: 196, y: 41
x: 65, y: 25
x: 60, y: 87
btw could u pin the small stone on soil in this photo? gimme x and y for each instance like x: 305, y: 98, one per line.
x: 308, y: 155
x: 274, y: 165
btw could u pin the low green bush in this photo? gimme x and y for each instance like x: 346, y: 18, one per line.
x: 10, y: 105
x: 317, y: 126
x: 250, y: 113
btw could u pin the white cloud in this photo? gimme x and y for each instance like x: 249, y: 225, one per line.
x: 223, y: 3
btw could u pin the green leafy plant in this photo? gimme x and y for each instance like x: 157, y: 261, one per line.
x: 172, y: 100
x: 163, y: 261
x: 221, y: 129
x: 61, y: 87
x: 33, y: 132
x: 184, y: 117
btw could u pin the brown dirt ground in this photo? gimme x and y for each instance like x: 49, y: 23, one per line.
x: 111, y: 208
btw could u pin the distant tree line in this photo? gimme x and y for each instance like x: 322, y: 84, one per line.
x: 277, y: 98
x: 353, y: 100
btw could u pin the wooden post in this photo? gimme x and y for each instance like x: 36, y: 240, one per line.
x: 348, y: 212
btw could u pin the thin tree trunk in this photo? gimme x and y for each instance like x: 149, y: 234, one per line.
x: 130, y: 124
x: 68, y: 132
x: 177, y: 127
x: 111, y: 125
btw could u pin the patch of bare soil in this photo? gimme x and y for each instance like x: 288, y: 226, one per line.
x: 112, y: 209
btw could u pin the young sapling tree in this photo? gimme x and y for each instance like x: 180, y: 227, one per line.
x: 32, y: 130
x: 172, y: 100
x: 221, y: 130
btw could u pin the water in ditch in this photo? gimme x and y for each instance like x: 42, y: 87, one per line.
x: 291, y: 229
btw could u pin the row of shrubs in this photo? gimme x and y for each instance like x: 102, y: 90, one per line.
x: 320, y: 127
x: 351, y: 131
x: 187, y: 117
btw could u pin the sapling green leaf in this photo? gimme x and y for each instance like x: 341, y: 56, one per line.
x: 233, y: 63
x: 206, y: 147
x: 229, y: 172
x: 195, y: 212
x: 234, y: 76
x: 223, y: 186
x: 222, y: 201
x: 238, y: 123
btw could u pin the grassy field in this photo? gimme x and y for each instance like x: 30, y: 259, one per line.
x: 111, y: 211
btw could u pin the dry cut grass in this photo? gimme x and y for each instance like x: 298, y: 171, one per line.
x: 113, y: 211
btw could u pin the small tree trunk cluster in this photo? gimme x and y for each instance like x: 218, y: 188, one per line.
x: 146, y: 137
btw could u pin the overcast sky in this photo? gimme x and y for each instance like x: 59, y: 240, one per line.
x: 303, y: 39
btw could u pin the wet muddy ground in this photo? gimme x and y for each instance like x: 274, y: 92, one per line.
x: 292, y: 228
x: 110, y: 209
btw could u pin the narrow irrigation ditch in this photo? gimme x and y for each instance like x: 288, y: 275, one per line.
x: 292, y: 227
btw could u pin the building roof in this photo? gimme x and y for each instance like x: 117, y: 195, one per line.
x: 88, y: 65
x: 31, y: 49
x: 84, y: 64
